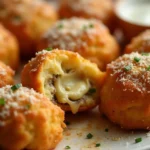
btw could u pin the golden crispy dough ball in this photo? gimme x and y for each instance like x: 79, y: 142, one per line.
x: 140, y: 43
x: 28, y: 120
x: 9, y: 51
x: 27, y: 19
x: 98, y: 9
x: 90, y: 38
x: 66, y: 78
x: 6, y: 75
x: 126, y: 91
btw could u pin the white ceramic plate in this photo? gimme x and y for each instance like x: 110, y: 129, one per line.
x: 93, y: 122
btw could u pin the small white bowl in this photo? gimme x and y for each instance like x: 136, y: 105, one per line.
x: 133, y: 16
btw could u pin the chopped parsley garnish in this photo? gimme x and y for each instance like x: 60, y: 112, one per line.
x: 67, y: 122
x: 67, y: 147
x: 17, y: 18
x: 127, y: 68
x: 97, y: 145
x: 88, y: 26
x: 15, y: 87
x: 27, y: 106
x: 145, y: 54
x: 137, y: 140
x: 2, y: 101
x: 91, y: 25
x: 60, y: 26
x: 148, y: 68
x: 92, y: 90
x: 136, y: 59
x: 49, y: 48
x: 106, y: 130
x: 89, y: 136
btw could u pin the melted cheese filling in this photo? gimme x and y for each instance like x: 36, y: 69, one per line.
x: 70, y: 88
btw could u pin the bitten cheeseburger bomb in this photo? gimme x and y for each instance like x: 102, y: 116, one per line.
x: 126, y: 91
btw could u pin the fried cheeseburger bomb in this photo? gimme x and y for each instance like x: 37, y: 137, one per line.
x: 27, y: 19
x: 9, y: 51
x: 90, y: 38
x: 6, y: 75
x: 66, y: 78
x: 28, y: 120
x: 98, y: 9
x: 126, y: 91
x: 140, y: 43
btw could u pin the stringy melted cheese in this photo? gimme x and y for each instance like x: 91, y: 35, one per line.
x: 70, y: 87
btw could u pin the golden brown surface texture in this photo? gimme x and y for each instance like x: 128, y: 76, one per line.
x: 28, y: 120
x: 27, y: 19
x: 90, y: 38
x: 126, y: 91
x: 9, y: 50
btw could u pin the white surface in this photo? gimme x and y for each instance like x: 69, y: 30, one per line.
x: 93, y: 122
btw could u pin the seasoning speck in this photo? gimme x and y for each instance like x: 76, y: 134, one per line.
x: 97, y: 145
x: 67, y: 147
x: 137, y: 140
x: 2, y: 101
x: 15, y: 87
x: 49, y: 48
x: 136, y: 59
x: 60, y: 26
x: 127, y: 68
x: 89, y: 136
x: 148, y: 68
x: 106, y: 130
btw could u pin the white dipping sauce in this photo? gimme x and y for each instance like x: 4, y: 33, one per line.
x: 135, y: 11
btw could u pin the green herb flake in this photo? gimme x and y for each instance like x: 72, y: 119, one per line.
x: 67, y: 123
x: 17, y: 18
x: 2, y: 101
x: 127, y: 68
x: 49, y: 49
x: 91, y: 25
x: 89, y: 136
x: 60, y: 26
x: 27, y: 106
x: 97, y: 145
x: 85, y: 27
x: 145, y: 54
x: 67, y: 147
x: 148, y: 68
x: 106, y: 130
x: 136, y: 59
x: 16, y: 87
x: 92, y: 90
x: 137, y: 140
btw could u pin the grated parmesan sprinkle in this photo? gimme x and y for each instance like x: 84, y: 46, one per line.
x: 138, y: 77
x: 74, y: 33
x: 17, y: 101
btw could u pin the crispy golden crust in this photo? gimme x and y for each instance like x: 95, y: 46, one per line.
x: 28, y: 120
x: 27, y: 19
x: 9, y: 51
x: 126, y: 91
x: 98, y: 9
x: 66, y: 78
x: 6, y: 75
x: 140, y: 43
x: 90, y: 38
